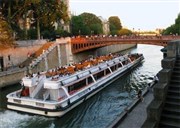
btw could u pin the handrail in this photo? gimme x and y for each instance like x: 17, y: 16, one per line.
x: 46, y: 95
x: 38, y: 87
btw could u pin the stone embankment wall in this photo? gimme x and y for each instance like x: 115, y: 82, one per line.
x: 11, y: 77
x: 102, y: 51
x: 14, y: 56
x: 160, y: 89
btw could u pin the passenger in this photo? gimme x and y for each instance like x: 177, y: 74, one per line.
x: 149, y: 88
x: 139, y: 94
x: 156, y: 79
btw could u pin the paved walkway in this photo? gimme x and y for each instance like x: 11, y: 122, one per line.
x: 137, y: 116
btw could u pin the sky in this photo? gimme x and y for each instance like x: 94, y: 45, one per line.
x: 134, y: 14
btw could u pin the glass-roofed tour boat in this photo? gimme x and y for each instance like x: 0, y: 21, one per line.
x: 55, y: 92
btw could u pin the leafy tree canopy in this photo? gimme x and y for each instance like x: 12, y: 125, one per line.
x: 77, y: 26
x: 44, y: 12
x: 92, y: 22
x: 124, y: 31
x: 6, y: 38
x: 114, y: 23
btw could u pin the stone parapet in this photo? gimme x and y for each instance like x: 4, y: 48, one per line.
x: 153, y: 114
x: 164, y: 75
x: 160, y: 91
x: 168, y: 63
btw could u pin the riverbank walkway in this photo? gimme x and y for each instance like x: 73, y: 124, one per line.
x: 136, y: 114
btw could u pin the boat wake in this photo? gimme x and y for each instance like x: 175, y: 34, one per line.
x: 11, y: 119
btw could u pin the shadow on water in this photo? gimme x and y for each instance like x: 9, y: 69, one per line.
x: 4, y: 91
x: 98, y: 111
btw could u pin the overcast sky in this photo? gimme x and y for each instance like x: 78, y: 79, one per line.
x: 137, y: 14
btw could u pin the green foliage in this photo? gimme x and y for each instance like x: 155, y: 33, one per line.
x: 61, y: 33
x: 38, y: 12
x: 173, y: 29
x: 32, y: 34
x: 78, y: 26
x: 114, y: 24
x: 86, y: 24
x: 96, y: 29
x: 124, y: 31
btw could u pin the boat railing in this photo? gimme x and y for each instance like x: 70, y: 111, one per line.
x: 39, y: 86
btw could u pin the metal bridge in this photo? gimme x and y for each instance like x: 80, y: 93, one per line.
x: 81, y: 44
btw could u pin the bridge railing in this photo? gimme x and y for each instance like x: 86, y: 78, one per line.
x: 85, y: 43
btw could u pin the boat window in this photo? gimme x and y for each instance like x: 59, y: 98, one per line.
x: 90, y: 80
x: 107, y: 71
x: 119, y: 65
x: 17, y: 101
x: 39, y: 104
x: 99, y: 75
x: 75, y: 87
x: 113, y: 68
x: 125, y: 62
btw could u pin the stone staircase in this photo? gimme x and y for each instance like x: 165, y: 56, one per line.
x: 170, y: 117
x: 35, y: 55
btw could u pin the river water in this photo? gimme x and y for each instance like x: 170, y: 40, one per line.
x: 100, y: 110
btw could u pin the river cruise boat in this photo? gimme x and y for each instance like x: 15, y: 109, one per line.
x: 55, y: 92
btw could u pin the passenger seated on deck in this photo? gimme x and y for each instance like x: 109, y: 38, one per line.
x: 25, y: 91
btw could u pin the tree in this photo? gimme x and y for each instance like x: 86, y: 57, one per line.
x: 124, y: 31
x: 114, y: 24
x: 92, y: 22
x: 36, y: 13
x: 173, y: 29
x: 77, y: 26
x: 6, y: 38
